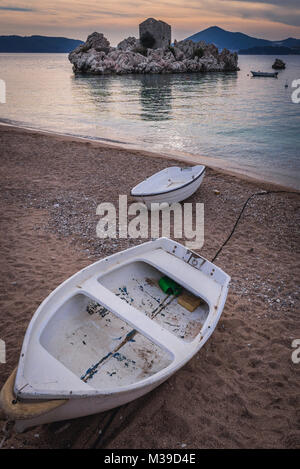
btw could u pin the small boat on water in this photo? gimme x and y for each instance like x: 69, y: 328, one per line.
x: 170, y: 185
x: 113, y: 332
x: 265, y: 74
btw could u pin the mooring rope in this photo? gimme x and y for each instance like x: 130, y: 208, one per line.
x: 101, y: 435
x: 256, y: 194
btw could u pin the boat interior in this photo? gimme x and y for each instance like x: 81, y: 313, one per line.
x: 104, y: 350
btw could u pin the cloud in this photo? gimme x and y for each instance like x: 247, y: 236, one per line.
x: 112, y: 14
x: 285, y: 4
x: 272, y: 10
x: 8, y: 8
x: 120, y: 18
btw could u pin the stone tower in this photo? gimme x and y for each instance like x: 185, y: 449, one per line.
x: 160, y: 31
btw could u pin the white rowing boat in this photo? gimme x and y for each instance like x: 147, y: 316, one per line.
x: 110, y: 334
x: 170, y: 185
x: 265, y: 74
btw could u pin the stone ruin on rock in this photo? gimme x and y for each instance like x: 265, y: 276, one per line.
x: 152, y: 53
x: 158, y: 30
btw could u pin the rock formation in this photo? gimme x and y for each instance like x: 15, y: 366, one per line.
x: 278, y: 65
x: 97, y: 57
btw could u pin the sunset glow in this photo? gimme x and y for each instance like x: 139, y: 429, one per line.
x: 270, y: 19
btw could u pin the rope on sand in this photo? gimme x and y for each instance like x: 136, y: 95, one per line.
x: 256, y: 194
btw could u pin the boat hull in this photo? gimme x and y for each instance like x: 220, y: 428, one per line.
x: 82, y: 407
x: 265, y: 74
x: 172, y: 197
x: 90, y: 405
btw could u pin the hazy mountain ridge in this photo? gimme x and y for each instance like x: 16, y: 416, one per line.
x: 37, y: 44
x: 233, y: 41
x: 269, y: 50
x: 236, y: 41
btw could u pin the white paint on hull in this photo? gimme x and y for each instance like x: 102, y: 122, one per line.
x: 170, y: 185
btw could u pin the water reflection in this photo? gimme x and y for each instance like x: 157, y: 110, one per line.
x: 156, y: 97
x: 91, y: 89
x: 150, y: 98
x: 158, y: 93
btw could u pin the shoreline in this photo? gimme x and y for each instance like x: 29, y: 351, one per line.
x: 215, y: 164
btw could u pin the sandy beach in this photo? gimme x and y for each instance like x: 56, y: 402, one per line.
x: 242, y: 389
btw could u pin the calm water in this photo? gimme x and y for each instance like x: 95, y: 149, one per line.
x: 249, y: 124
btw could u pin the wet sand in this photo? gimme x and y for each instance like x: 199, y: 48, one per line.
x: 242, y: 389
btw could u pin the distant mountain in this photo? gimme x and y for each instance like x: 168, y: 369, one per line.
x: 236, y: 41
x: 269, y: 50
x: 290, y: 42
x: 227, y: 39
x: 37, y: 44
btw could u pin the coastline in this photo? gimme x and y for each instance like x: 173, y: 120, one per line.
x: 243, y: 385
x: 216, y: 164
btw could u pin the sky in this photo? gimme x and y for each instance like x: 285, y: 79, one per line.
x: 268, y: 19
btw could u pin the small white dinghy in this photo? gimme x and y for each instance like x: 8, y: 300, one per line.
x: 110, y: 334
x: 170, y: 185
x: 265, y: 74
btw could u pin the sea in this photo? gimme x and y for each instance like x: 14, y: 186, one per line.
x: 229, y: 120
